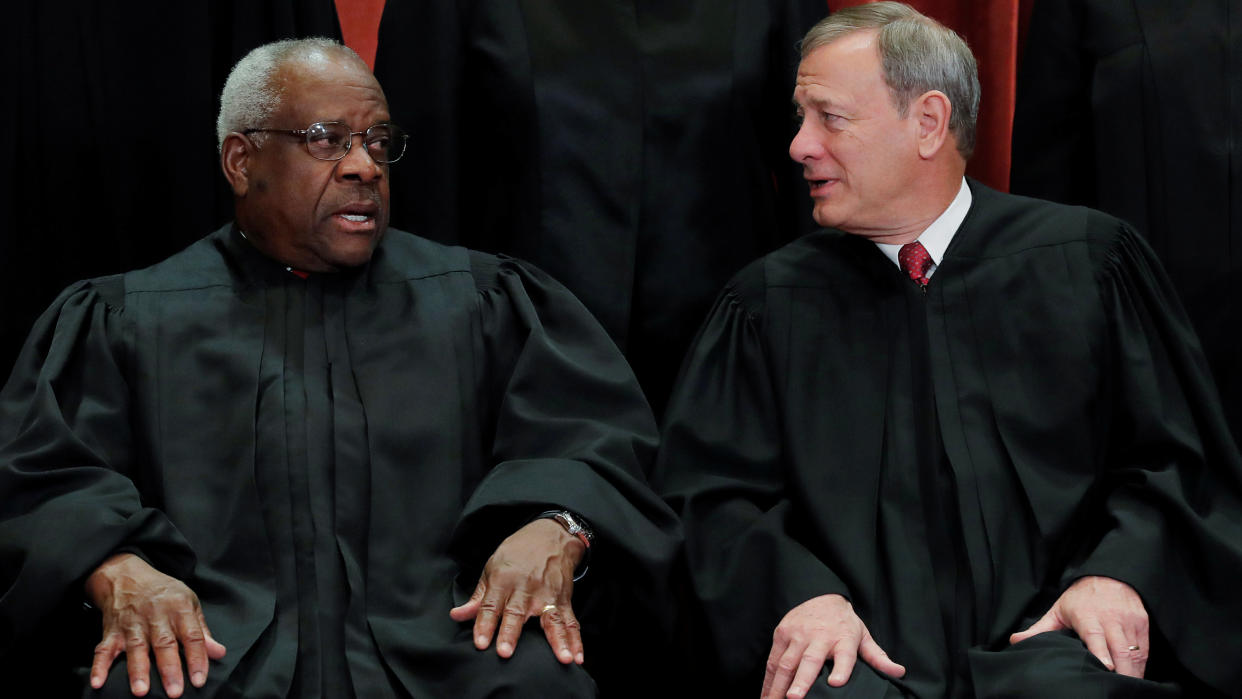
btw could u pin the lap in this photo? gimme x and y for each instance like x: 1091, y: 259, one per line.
x: 1055, y: 665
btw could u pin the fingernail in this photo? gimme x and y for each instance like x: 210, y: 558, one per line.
x: 140, y: 686
x: 504, y: 648
x: 197, y: 679
x: 480, y: 641
x: 580, y: 659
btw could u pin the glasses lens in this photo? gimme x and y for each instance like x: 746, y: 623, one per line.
x: 327, y: 140
x: 385, y: 142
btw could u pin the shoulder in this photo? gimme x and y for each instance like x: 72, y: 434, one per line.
x: 1001, y: 224
x: 818, y: 260
x: 403, y: 256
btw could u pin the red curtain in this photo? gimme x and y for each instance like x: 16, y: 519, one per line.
x: 994, y: 31
x: 360, y: 20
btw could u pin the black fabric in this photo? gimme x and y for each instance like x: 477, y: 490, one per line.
x: 1080, y: 436
x: 1135, y: 108
x: 634, y: 149
x: 327, y: 462
x: 111, y: 112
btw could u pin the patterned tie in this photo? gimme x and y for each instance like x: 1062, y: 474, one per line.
x: 915, y: 262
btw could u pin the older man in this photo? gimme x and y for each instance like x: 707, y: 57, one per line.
x: 966, y: 437
x: 279, y: 461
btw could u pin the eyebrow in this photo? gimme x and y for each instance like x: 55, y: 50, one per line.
x: 817, y: 102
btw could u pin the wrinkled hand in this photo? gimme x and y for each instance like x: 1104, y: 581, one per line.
x: 529, y: 572
x: 1107, y: 615
x: 145, y: 611
x: 811, y: 632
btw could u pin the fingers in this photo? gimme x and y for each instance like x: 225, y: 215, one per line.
x: 163, y: 642
x: 215, y: 649
x: 770, y: 667
x: 1047, y: 622
x: 809, y: 665
x: 105, y: 653
x: 1128, y: 650
x: 781, y: 667
x: 844, y: 655
x: 138, y: 661
x: 516, y: 612
x: 468, y: 610
x: 488, y: 612
x: 1097, y: 644
x: 563, y: 634
x: 876, y: 657
x: 193, y: 635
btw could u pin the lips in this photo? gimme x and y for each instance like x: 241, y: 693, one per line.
x: 358, y: 216
x: 819, y: 187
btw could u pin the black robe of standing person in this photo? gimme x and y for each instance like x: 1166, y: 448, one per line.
x: 1135, y: 108
x: 328, y: 463
x: 636, y: 150
x: 951, y: 460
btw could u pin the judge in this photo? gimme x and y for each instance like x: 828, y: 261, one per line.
x: 959, y: 443
x: 309, y: 456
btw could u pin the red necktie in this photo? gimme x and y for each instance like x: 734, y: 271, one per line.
x: 915, y: 262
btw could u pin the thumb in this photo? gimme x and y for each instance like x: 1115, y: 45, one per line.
x: 1048, y: 622
x: 215, y: 649
x: 471, y: 607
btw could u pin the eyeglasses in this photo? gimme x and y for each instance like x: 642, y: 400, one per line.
x: 331, y: 140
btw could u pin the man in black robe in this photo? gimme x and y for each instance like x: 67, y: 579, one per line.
x: 967, y: 437
x: 288, y: 453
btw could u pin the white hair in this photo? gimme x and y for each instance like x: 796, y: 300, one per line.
x: 252, y: 92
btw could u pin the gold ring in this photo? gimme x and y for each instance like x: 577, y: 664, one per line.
x: 1133, y: 648
x: 546, y: 608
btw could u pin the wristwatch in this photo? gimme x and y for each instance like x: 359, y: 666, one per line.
x: 577, y: 527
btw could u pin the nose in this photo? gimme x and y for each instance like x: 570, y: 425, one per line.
x: 804, y: 145
x: 358, y: 164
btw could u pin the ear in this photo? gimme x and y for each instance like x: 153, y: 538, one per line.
x: 235, y: 155
x: 932, y: 110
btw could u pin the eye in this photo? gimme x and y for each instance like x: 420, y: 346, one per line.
x: 321, y: 135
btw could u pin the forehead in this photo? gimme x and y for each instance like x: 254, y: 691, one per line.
x: 331, y: 88
x: 846, y: 71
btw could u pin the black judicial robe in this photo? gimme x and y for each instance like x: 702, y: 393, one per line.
x: 952, y: 461
x: 322, y: 460
x: 636, y: 150
x: 1134, y: 107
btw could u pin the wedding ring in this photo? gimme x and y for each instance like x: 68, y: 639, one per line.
x: 547, y: 608
x: 1132, y: 648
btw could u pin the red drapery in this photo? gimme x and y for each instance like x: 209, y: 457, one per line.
x: 360, y: 20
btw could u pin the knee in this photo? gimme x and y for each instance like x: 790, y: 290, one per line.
x: 532, y: 673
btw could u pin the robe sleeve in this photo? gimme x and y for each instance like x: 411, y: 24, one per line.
x: 1172, y: 487
x: 570, y: 429
x: 65, y: 445
x: 722, y: 468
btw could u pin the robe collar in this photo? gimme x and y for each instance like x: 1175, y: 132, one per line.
x: 940, y: 233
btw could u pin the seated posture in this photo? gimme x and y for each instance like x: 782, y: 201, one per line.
x: 959, y: 444
x: 308, y: 458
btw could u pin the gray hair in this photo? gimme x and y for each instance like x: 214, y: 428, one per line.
x: 918, y: 54
x: 252, y: 92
